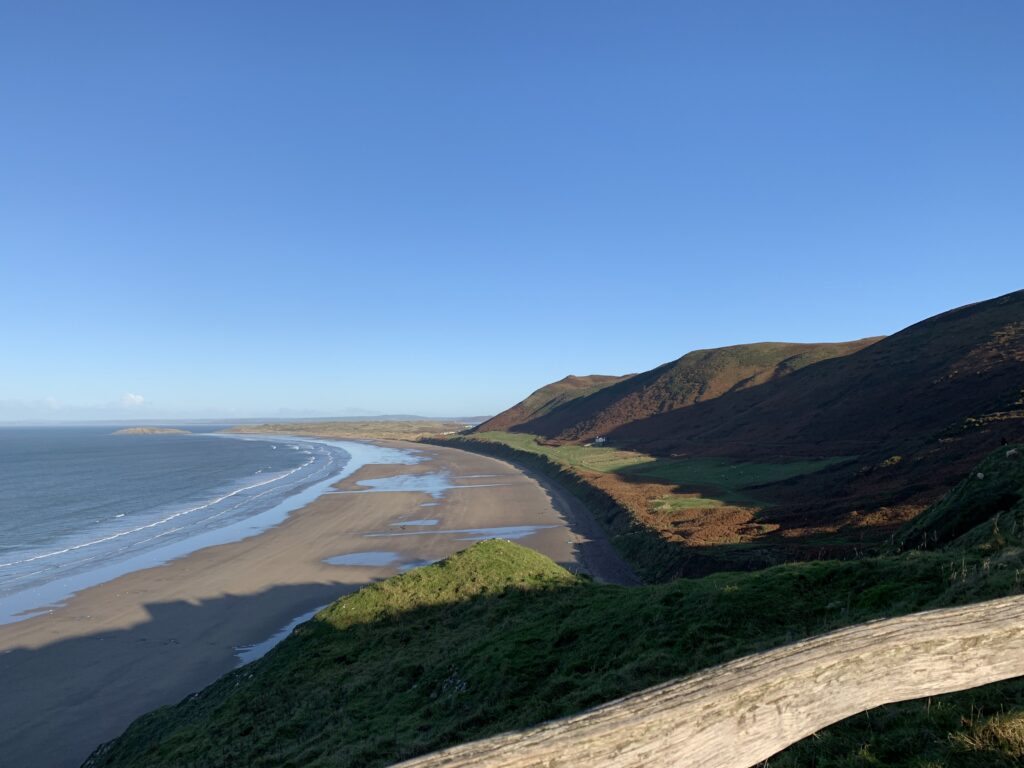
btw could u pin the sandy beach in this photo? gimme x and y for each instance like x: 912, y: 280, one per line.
x: 76, y: 677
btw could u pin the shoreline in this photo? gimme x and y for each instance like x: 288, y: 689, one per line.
x: 77, y: 676
x: 51, y: 595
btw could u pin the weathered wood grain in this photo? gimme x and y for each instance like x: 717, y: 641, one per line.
x: 737, y: 714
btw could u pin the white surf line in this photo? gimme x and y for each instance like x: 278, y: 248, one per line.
x: 154, y: 524
x: 46, y: 597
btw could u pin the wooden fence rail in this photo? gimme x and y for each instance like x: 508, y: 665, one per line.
x: 738, y: 714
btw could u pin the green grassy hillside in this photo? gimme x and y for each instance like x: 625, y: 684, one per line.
x: 498, y: 637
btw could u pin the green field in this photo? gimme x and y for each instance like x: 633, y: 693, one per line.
x: 725, y: 479
x: 717, y: 480
x: 592, y: 458
x: 499, y: 637
x: 675, y: 503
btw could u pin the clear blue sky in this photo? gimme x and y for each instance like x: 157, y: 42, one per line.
x: 435, y: 207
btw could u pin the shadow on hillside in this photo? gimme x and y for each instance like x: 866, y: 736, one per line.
x: 390, y: 684
x: 665, y: 547
x: 382, y: 682
x: 933, y: 398
x: 61, y: 700
x: 849, y: 509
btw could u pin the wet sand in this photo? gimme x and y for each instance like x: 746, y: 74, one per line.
x: 76, y: 677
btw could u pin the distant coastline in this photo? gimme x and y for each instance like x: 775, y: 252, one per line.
x: 151, y: 431
x: 410, y: 430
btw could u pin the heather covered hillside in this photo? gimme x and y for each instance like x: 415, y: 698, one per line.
x: 547, y: 399
x: 913, y: 412
x: 880, y: 429
x: 941, y: 377
x: 696, y: 377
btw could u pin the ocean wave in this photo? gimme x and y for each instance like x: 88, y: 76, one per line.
x: 162, y: 521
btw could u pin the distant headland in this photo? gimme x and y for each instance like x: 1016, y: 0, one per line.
x: 151, y: 431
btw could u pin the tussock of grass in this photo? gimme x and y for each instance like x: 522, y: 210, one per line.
x: 490, y: 568
x: 981, y: 728
x: 998, y: 735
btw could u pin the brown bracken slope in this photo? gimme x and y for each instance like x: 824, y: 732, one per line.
x: 917, y: 408
x: 696, y: 377
x: 911, y: 414
x: 546, y: 399
x: 933, y: 379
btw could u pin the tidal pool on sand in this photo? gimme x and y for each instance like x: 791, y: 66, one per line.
x: 364, y: 558
x: 433, y: 483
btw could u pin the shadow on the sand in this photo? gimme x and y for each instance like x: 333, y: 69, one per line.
x: 61, y: 700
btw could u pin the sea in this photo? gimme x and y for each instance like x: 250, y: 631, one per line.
x: 80, y: 505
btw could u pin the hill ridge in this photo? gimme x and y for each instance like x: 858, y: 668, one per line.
x: 695, y: 377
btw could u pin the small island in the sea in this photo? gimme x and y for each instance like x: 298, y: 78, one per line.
x: 152, y: 431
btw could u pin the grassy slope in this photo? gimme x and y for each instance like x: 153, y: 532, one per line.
x: 696, y: 377
x: 499, y: 637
